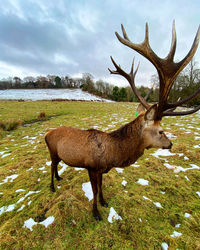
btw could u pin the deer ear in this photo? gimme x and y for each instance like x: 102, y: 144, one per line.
x: 150, y: 114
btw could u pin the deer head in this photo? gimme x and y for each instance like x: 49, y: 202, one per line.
x: 167, y: 71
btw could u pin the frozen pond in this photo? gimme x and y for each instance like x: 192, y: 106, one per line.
x: 48, y: 94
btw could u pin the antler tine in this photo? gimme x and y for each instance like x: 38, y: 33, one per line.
x: 190, y: 54
x: 130, y: 78
x: 173, y: 44
x: 124, y: 33
x: 181, y: 102
x: 171, y: 113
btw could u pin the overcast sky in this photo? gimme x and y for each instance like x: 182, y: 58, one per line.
x: 71, y: 37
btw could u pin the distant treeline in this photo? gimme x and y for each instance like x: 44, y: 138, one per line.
x: 187, y: 82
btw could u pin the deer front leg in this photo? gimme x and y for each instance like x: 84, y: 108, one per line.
x: 94, y: 182
x: 101, y: 199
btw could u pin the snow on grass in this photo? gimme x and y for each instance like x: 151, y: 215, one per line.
x: 42, y: 168
x: 162, y: 152
x: 87, y: 188
x: 5, y: 155
x: 9, y: 178
x: 29, y: 224
x: 5, y: 209
x: 29, y: 193
x: 198, y: 193
x: 124, y: 183
x: 143, y: 182
x: 157, y: 204
x: 20, y: 209
x: 62, y: 170
x: 164, y: 246
x: 187, y: 215
x: 48, y: 163
x: 175, y: 234
x: 77, y: 169
x: 113, y: 215
x: 20, y: 190
x: 178, y: 169
x: 49, y: 94
x: 119, y: 170
x: 48, y: 221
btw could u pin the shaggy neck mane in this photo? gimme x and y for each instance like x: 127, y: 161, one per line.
x: 132, y: 128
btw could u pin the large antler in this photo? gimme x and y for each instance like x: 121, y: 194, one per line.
x: 167, y: 69
x: 130, y: 78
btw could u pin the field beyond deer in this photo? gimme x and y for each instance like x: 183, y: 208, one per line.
x: 153, y: 204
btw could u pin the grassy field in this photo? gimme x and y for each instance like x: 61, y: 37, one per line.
x: 166, y: 210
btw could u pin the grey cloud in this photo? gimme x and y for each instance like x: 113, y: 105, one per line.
x: 70, y: 37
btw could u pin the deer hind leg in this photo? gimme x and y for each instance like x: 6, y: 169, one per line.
x: 54, y: 171
x: 94, y: 182
x: 101, y: 199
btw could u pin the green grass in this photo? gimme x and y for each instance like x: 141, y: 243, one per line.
x: 143, y: 225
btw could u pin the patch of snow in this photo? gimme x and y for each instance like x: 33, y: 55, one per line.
x: 124, y: 183
x: 162, y: 192
x: 48, y: 163
x: 143, y: 182
x: 146, y: 198
x: 164, y: 246
x: 5, y: 209
x: 48, y: 221
x: 49, y: 94
x: 157, y: 204
x: 187, y: 215
x: 178, y: 169
x: 42, y: 168
x: 20, y: 190
x: 29, y: 193
x: 62, y: 170
x: 87, y: 188
x: 11, y: 178
x: 119, y: 170
x: 30, y: 223
x: 162, y: 152
x: 187, y: 178
x: 178, y: 225
x: 29, y: 169
x: 135, y: 165
x: 113, y: 215
x: 5, y: 155
x: 23, y: 206
x: 176, y: 234
x: 196, y: 146
x: 77, y: 169
x: 198, y: 193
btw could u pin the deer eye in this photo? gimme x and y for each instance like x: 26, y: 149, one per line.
x: 161, y: 132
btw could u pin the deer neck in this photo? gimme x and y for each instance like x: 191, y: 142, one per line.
x: 128, y: 141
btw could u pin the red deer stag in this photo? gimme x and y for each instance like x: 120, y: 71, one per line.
x: 98, y: 151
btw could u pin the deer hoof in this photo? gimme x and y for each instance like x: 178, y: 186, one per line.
x: 98, y: 217
x: 104, y: 204
x: 52, y: 189
x: 59, y: 178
